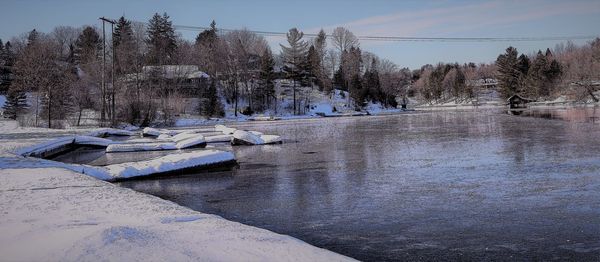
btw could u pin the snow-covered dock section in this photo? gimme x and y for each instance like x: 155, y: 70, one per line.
x: 52, y: 214
x: 241, y: 137
x: 170, y: 163
x: 60, y: 145
x: 180, y: 141
x: 111, y: 132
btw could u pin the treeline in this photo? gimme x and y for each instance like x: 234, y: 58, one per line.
x: 569, y: 70
x: 538, y: 77
x: 444, y: 82
x: 57, y: 78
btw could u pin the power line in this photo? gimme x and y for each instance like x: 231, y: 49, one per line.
x: 412, y: 39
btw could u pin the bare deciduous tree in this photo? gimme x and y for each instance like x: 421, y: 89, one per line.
x: 343, y: 39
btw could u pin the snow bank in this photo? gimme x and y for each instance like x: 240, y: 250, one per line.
x: 18, y: 162
x: 52, y: 214
x: 169, y: 163
x: 140, y: 147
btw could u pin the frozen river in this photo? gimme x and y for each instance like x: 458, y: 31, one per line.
x: 432, y: 186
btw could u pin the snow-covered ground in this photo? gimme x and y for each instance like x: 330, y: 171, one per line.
x: 51, y: 214
x: 319, y: 104
x: 52, y: 211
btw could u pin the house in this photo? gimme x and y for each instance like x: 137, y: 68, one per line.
x: 186, y: 79
x: 517, y: 101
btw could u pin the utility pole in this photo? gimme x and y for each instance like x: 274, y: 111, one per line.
x: 104, y: 96
x: 102, y: 110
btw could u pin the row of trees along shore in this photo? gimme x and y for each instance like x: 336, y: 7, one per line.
x: 55, y: 79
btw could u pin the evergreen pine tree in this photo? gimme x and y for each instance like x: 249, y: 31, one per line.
x: 210, y: 105
x: 523, y: 66
x: 3, y: 71
x: 123, y: 31
x: 1, y: 52
x: 162, y: 41
x: 87, y: 46
x: 357, y: 92
x: 16, y: 102
x: 294, y: 56
x: 208, y: 37
x: 32, y: 37
x: 316, y: 67
x: 372, y: 85
x: 267, y: 77
x: 338, y: 79
x: 536, y: 78
x: 125, y: 47
x: 508, y: 72
x: 207, y: 43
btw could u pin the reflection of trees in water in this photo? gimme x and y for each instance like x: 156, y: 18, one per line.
x: 578, y: 115
x: 523, y: 138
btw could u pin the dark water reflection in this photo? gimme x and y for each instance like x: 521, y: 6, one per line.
x: 425, y: 186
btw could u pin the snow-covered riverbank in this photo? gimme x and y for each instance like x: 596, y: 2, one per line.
x: 50, y: 213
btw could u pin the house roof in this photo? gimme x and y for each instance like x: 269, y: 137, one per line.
x: 520, y: 97
x: 176, y: 71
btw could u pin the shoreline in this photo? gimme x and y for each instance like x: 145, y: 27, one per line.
x: 70, y: 216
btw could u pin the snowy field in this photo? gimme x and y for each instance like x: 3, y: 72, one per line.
x: 50, y: 213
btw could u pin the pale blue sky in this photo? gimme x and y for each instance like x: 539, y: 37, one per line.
x: 442, y: 18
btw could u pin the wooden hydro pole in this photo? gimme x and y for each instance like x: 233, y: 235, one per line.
x: 112, y: 73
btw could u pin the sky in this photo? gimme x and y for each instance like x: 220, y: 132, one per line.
x: 441, y: 18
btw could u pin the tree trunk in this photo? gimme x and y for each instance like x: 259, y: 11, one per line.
x: 37, y: 104
x: 294, y: 96
x: 49, y: 111
x: 79, y: 116
x: 235, y: 97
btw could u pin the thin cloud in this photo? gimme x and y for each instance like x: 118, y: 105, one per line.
x: 457, y: 19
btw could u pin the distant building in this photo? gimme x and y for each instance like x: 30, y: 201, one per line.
x: 186, y: 79
x: 517, y: 101
x: 489, y: 83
